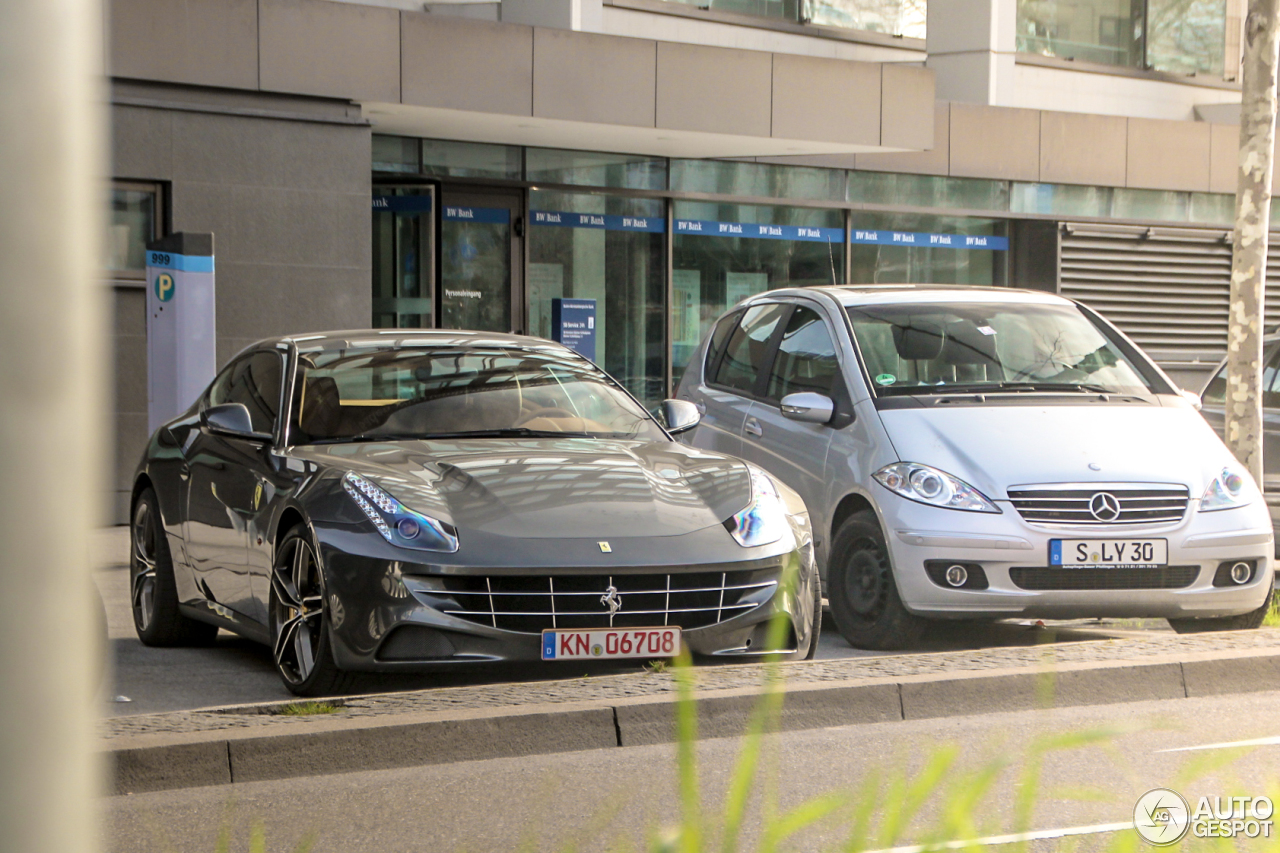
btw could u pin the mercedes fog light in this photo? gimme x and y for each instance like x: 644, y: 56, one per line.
x: 1241, y: 572
x: 957, y: 575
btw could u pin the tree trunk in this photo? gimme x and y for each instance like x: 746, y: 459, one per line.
x: 1253, y: 215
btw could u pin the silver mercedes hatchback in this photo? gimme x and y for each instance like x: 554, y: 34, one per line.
x: 981, y: 453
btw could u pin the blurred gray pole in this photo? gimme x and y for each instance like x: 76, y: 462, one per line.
x: 52, y: 418
x: 1253, y: 217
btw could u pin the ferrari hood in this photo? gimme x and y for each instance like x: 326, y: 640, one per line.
x: 551, y: 488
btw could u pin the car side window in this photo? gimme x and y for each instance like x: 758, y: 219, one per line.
x: 745, y: 352
x: 254, y: 381
x: 1215, y: 393
x: 806, y: 359
x: 715, y: 346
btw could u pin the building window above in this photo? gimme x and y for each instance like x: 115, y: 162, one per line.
x: 135, y: 221
x: 1175, y: 36
x: 891, y: 17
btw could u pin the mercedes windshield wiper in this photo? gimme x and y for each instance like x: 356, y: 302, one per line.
x: 1000, y: 387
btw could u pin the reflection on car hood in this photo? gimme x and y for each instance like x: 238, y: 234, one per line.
x: 995, y: 447
x: 552, y: 488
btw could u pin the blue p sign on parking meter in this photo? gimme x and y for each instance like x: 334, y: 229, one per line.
x: 573, y: 323
x: 181, y: 357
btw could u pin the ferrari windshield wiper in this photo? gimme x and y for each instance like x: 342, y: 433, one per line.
x: 507, y: 432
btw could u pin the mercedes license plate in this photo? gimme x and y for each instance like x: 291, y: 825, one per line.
x: 611, y: 643
x: 1108, y: 553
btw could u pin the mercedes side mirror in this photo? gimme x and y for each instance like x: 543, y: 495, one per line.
x: 232, y: 419
x: 680, y: 416
x: 1193, y: 398
x: 808, y: 407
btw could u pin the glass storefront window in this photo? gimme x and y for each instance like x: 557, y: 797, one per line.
x: 450, y: 159
x: 1104, y: 31
x: 403, y: 257
x: 629, y: 171
x: 881, y: 260
x: 724, y: 253
x: 928, y: 191
x: 133, y: 225
x: 1186, y: 36
x: 728, y: 177
x: 399, y: 154
x: 610, y: 249
x: 895, y: 17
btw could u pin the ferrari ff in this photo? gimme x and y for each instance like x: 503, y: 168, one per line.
x: 394, y: 500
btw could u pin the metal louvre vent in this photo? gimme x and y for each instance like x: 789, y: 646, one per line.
x: 1074, y: 503
x: 532, y: 604
x: 1167, y: 288
x: 1163, y: 577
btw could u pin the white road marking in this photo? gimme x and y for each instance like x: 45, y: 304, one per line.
x: 1262, y: 741
x: 1015, y: 838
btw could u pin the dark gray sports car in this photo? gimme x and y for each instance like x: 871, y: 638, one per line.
x: 394, y: 500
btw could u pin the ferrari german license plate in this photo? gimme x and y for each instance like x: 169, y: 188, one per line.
x: 1108, y: 553
x: 611, y: 643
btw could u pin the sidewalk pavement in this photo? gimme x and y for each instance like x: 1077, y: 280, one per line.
x: 257, y: 742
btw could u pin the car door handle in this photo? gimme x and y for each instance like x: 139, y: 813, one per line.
x: 752, y: 428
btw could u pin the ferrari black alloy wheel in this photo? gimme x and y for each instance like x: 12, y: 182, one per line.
x: 864, y: 598
x: 152, y: 593
x: 299, y: 623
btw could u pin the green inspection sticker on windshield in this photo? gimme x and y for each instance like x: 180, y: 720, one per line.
x: 886, y: 379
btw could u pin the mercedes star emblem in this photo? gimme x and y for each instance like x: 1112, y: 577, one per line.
x: 1105, y: 507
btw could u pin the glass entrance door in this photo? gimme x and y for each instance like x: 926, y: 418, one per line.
x: 404, y: 238
x: 481, y: 252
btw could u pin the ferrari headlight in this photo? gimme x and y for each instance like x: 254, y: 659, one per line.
x: 398, y: 524
x: 931, y: 486
x: 1229, y: 489
x: 764, y: 520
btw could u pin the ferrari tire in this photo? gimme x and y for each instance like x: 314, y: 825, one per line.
x: 301, y: 647
x: 153, y: 594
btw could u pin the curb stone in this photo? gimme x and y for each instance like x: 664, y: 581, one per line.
x: 282, y: 748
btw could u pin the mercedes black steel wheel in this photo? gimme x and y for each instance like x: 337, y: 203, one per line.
x: 152, y: 591
x: 862, y: 592
x: 299, y: 621
x: 1243, y: 622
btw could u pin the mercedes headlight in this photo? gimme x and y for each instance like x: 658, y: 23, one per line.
x: 931, y: 486
x: 764, y: 520
x: 398, y: 524
x: 1229, y: 489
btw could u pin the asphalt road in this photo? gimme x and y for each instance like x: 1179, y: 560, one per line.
x: 143, y: 680
x: 618, y: 798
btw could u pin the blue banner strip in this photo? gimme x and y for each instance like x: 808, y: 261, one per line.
x: 650, y: 224
x: 402, y: 203
x: 182, y: 263
x: 487, y: 215
x: 756, y: 231
x: 930, y: 241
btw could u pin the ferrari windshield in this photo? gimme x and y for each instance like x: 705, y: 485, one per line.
x: 390, y: 393
x: 922, y: 348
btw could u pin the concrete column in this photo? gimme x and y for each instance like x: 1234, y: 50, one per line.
x: 971, y: 46
x: 53, y: 418
x: 584, y: 15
